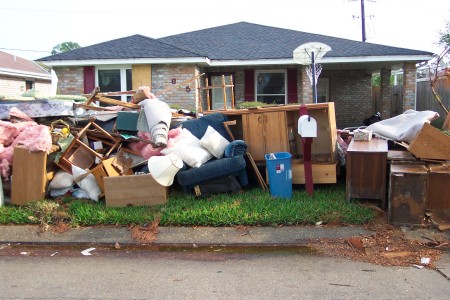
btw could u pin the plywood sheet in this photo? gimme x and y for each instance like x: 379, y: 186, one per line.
x: 431, y: 144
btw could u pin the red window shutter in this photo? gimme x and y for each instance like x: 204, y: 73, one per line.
x: 249, y: 85
x: 292, y: 85
x: 89, y: 79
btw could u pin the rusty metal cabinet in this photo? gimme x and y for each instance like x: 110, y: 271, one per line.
x: 367, y: 170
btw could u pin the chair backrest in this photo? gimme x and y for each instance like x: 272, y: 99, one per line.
x: 198, y: 126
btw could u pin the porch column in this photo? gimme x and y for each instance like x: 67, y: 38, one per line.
x: 306, y: 95
x: 409, y: 86
x: 384, y: 107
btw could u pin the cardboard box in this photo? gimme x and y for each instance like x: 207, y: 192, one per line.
x: 29, y: 178
x: 134, y: 190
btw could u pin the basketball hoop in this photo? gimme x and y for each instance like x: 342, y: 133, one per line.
x: 309, y: 72
x: 307, y: 54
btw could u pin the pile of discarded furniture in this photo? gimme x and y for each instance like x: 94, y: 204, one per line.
x: 128, y: 152
x: 405, y: 166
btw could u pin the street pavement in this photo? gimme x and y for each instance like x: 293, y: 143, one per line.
x: 200, y: 236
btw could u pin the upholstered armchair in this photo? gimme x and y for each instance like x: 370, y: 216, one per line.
x: 230, y: 162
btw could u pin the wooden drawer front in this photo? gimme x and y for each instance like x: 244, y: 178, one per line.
x: 322, y: 173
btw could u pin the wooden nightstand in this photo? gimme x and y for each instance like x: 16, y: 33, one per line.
x: 366, y: 170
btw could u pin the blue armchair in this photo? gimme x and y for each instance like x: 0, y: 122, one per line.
x: 232, y: 163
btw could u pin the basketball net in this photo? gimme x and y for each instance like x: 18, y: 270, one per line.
x: 309, y: 72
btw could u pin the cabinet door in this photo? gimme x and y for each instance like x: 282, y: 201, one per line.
x: 265, y: 133
x: 276, y: 132
x: 253, y: 133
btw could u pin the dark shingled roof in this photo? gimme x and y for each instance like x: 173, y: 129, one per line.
x: 247, y: 41
x: 135, y: 46
x: 238, y: 41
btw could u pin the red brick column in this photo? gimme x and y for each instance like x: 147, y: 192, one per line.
x: 409, y: 86
x: 385, y: 90
x: 306, y: 95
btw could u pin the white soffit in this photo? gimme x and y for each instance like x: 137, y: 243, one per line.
x: 130, y: 61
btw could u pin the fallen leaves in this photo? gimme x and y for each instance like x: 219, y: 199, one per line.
x: 386, y: 246
x: 145, y: 234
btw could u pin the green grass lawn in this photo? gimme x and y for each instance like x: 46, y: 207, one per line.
x: 250, y: 207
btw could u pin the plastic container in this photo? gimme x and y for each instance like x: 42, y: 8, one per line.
x: 279, y: 170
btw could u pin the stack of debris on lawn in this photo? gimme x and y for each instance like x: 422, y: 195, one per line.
x: 417, y: 167
x: 50, y: 148
x: 101, y: 148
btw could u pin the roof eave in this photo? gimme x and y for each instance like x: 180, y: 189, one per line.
x: 325, y: 60
x: 153, y: 61
x: 19, y: 73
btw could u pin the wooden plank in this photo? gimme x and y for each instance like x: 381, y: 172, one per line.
x: 438, y: 189
x: 118, y: 102
x: 321, y: 173
x: 29, y: 178
x: 134, y: 190
x: 141, y: 75
x: 431, y: 144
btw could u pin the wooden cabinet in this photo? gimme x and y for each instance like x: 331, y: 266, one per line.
x: 275, y: 129
x: 367, y: 170
x: 407, y: 194
x: 265, y: 133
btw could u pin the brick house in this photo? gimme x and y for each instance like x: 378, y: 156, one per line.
x: 258, y: 58
x: 18, y: 75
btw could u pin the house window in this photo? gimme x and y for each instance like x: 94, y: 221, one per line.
x: 323, y: 90
x: 115, y: 80
x: 217, y: 92
x: 29, y: 85
x: 270, y: 86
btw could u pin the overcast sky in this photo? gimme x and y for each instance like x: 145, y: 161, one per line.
x: 39, y: 25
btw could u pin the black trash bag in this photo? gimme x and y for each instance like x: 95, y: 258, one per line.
x: 224, y: 184
x: 372, y: 119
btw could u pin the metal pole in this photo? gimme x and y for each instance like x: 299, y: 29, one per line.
x: 363, y: 22
x: 314, y: 85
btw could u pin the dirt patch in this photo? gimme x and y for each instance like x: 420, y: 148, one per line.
x: 387, y: 246
x: 145, y: 234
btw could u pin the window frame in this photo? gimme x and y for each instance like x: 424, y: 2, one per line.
x: 327, y: 89
x: 123, y: 77
x: 281, y: 71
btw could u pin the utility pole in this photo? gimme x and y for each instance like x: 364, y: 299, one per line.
x: 363, y: 22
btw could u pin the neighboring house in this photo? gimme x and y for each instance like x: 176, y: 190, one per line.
x: 258, y: 58
x: 18, y: 75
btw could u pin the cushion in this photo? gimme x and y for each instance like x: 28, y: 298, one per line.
x: 214, y: 142
x: 190, y: 149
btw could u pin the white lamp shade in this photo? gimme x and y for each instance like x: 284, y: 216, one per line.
x: 164, y: 168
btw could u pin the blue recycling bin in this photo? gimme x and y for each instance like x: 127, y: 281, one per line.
x: 279, y: 170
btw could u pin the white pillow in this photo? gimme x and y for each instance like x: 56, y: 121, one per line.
x: 190, y: 150
x: 214, y: 142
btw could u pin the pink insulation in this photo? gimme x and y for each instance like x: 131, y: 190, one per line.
x: 28, y: 134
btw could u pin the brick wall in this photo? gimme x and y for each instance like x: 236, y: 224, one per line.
x: 385, y: 89
x: 162, y: 76
x: 70, y: 80
x: 15, y: 86
x: 11, y: 86
x: 409, y: 86
x: 351, y: 91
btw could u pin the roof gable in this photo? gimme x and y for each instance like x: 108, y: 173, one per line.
x: 135, y: 46
x: 15, y: 64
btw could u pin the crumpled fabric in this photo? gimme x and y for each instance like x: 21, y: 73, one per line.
x: 404, y: 127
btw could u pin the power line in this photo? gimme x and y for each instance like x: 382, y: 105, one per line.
x: 25, y: 50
